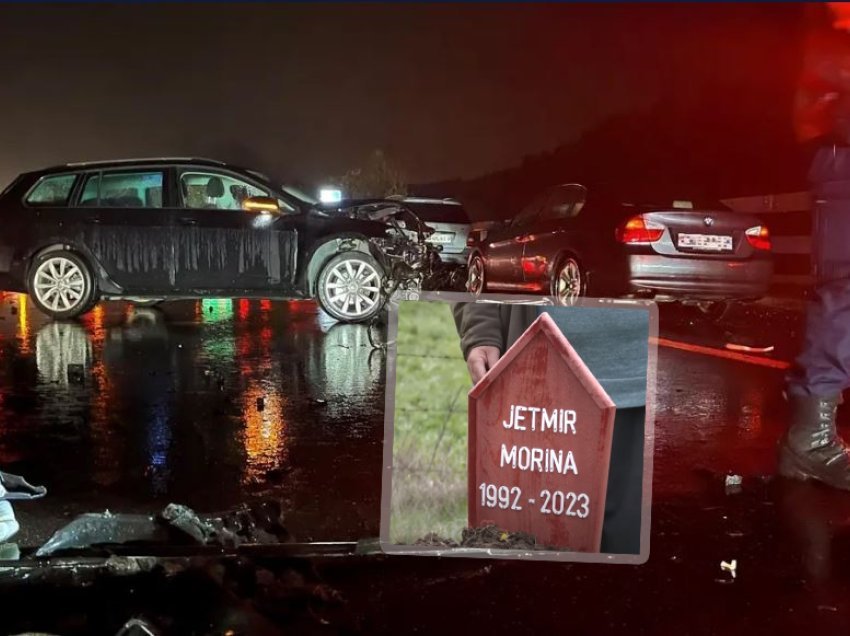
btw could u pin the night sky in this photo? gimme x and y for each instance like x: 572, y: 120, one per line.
x: 306, y: 92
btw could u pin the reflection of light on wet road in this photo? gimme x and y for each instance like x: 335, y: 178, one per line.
x: 58, y: 345
x: 106, y: 445
x: 167, y: 405
x: 158, y: 444
x: 264, y: 434
x: 23, y: 323
x: 751, y: 412
x: 95, y: 321
x: 219, y: 343
x: 216, y: 309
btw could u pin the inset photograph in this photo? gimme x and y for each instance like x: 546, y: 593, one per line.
x: 519, y: 428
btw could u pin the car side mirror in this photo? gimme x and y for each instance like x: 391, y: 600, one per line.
x: 261, y: 205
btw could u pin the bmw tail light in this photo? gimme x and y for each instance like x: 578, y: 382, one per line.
x: 759, y: 237
x: 638, y: 230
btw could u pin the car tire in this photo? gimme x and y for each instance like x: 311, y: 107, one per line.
x: 61, y: 284
x: 569, y: 282
x: 360, y: 278
x: 713, y: 311
x: 476, y: 277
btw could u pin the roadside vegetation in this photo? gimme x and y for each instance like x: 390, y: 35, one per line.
x: 430, y: 436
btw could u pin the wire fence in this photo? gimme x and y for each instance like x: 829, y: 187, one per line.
x: 430, y: 427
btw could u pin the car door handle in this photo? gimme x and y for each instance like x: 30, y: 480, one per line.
x: 188, y: 221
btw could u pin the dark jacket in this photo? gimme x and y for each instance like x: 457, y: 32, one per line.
x: 494, y: 324
x: 612, y: 342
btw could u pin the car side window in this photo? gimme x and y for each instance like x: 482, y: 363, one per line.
x: 566, y: 202
x: 207, y: 190
x: 122, y: 190
x: 54, y: 190
x: 530, y: 212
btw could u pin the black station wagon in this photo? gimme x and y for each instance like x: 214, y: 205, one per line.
x: 148, y: 230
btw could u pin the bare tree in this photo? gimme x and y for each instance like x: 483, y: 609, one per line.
x: 379, y: 177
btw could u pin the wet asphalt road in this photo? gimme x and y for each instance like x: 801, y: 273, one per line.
x: 209, y: 404
x: 164, y: 407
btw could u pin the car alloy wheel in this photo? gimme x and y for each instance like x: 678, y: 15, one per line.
x: 61, y: 285
x: 569, y: 282
x: 475, y: 278
x: 350, y: 287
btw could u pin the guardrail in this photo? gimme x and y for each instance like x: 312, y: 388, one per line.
x: 788, y: 217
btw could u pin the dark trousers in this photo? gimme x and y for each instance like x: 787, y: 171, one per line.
x: 823, y: 366
x: 621, y: 528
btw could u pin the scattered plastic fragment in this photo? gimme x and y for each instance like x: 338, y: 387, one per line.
x: 260, y: 523
x: 730, y: 567
x: 186, y: 520
x: 94, y: 529
x: 9, y: 526
x: 137, y: 627
x: 9, y: 552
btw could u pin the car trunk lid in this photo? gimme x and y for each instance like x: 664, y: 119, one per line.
x: 707, y: 234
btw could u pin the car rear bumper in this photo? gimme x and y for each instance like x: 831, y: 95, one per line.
x: 455, y: 258
x: 699, y: 278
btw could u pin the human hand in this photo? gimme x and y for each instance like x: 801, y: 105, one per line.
x: 480, y: 360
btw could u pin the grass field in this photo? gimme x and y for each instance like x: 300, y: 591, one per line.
x: 430, y: 435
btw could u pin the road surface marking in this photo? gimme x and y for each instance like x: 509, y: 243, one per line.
x: 722, y: 353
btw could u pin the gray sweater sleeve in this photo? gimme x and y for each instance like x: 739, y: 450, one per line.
x: 478, y: 325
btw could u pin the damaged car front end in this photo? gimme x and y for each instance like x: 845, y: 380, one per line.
x: 411, y: 261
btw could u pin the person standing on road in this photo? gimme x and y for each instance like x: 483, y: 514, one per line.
x: 811, y: 447
x: 614, y: 344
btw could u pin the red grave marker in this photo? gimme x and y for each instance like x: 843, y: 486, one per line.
x: 540, y: 428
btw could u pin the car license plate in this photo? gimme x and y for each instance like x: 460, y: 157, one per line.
x: 442, y: 237
x: 706, y: 242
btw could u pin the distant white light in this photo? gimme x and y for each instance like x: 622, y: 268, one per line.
x: 330, y: 195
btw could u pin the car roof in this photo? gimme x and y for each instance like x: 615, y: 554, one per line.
x: 445, y: 201
x: 108, y: 163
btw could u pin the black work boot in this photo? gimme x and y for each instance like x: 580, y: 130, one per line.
x: 811, y: 449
